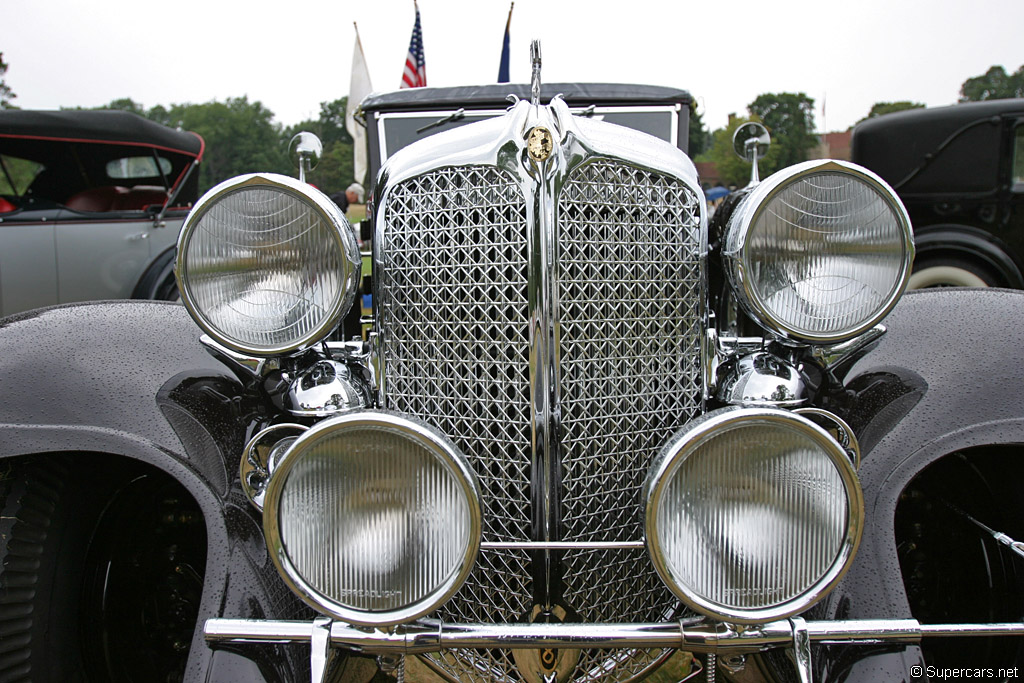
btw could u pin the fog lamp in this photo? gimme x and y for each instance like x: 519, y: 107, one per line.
x: 752, y: 514
x: 820, y: 251
x: 373, y: 518
x: 266, y: 264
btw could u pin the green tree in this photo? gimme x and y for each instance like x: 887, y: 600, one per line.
x: 6, y: 94
x: 789, y: 117
x: 994, y: 84
x: 883, y: 108
x: 126, y: 104
x: 241, y: 137
x: 699, y: 137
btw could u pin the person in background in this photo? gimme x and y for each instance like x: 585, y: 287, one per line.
x: 341, y: 199
x: 355, y: 193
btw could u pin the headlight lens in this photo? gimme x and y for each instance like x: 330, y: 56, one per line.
x: 373, y: 518
x: 752, y: 514
x: 820, y: 251
x: 266, y: 264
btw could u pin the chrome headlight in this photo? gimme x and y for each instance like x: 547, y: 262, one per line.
x: 752, y: 514
x: 820, y: 252
x: 267, y: 264
x: 373, y: 518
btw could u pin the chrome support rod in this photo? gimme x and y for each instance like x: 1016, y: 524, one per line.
x: 802, y: 649
x: 428, y: 636
x: 321, y: 652
x: 561, y: 545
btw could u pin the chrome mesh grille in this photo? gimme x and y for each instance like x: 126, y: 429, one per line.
x: 455, y: 346
x: 629, y: 291
x: 454, y: 323
x: 453, y: 317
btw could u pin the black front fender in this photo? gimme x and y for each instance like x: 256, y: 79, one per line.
x: 130, y: 380
x: 946, y: 377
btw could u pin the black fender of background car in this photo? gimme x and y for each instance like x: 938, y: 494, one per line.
x: 970, y: 243
x: 130, y: 379
x: 158, y: 281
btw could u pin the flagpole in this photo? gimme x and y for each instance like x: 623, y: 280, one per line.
x: 359, y: 87
x: 503, y: 71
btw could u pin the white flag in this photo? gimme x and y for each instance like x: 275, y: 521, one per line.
x: 359, y: 87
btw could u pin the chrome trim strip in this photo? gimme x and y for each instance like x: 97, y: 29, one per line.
x: 801, y: 648
x: 561, y: 545
x: 547, y: 176
x: 321, y: 651
x: 426, y: 636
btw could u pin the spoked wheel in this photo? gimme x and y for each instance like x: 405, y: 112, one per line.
x: 954, y: 571
x: 100, y: 573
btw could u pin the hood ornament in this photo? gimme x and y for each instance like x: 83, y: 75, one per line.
x: 535, y: 77
x: 539, y: 143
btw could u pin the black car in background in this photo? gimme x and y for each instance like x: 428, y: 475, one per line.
x: 960, y: 172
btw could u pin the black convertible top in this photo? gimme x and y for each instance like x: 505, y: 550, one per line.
x: 118, y: 127
x: 923, y: 150
x: 496, y: 95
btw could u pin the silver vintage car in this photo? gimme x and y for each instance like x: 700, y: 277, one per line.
x: 90, y: 206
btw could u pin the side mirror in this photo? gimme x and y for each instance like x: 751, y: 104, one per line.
x: 751, y: 142
x: 305, y: 150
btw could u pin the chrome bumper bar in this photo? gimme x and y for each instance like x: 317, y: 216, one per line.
x: 695, y: 636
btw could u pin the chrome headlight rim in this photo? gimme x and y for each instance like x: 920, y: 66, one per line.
x: 683, y: 444
x: 424, y: 434
x: 326, y: 209
x: 752, y: 208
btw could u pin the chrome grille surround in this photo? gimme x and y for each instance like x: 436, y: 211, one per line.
x: 548, y: 319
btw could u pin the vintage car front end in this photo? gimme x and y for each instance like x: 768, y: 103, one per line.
x: 548, y: 462
x: 588, y: 429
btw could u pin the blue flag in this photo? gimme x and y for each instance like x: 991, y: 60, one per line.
x: 503, y: 67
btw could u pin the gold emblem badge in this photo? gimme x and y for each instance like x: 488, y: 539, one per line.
x: 539, y: 143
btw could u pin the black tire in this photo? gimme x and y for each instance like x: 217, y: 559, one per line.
x: 158, y: 282
x: 100, y: 572
x: 168, y: 289
x: 939, y: 271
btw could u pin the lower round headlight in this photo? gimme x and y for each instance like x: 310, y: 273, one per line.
x: 267, y: 264
x: 373, y: 518
x: 752, y: 514
x: 820, y: 251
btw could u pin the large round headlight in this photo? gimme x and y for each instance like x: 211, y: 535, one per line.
x: 820, y: 251
x: 373, y: 518
x: 752, y: 514
x: 267, y: 264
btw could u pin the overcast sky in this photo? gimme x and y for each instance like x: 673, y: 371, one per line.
x: 292, y: 55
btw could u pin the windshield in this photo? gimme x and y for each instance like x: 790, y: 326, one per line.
x: 398, y: 130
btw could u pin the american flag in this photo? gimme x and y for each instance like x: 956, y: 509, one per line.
x: 415, y: 74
